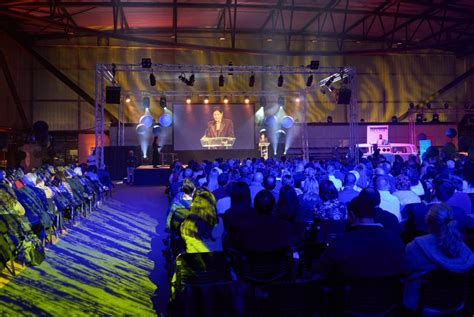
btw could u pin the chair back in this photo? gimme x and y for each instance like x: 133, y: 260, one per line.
x: 378, y: 296
x: 328, y: 230
x: 443, y: 292
x: 265, y: 267
x: 202, y: 268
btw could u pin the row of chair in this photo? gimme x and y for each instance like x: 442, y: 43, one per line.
x: 213, y: 284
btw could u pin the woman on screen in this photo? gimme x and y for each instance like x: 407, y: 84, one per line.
x: 219, y: 127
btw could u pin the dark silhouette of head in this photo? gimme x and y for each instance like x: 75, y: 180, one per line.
x: 223, y: 179
x: 240, y: 195
x: 444, y: 189
x: 359, y: 208
x: 327, y: 190
x: 269, y: 182
x: 264, y: 202
x: 349, y: 180
x: 288, y: 204
x: 371, y: 196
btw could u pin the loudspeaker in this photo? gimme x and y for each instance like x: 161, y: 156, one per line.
x: 112, y: 95
x: 344, y: 96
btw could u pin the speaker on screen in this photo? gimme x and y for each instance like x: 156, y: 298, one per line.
x: 344, y: 96
x: 112, y: 95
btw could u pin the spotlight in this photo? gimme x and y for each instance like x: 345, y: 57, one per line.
x: 329, y: 119
x: 206, y: 100
x: 226, y: 100
x: 394, y: 119
x: 428, y: 105
x: 221, y: 80
x: 446, y: 105
x: 435, y: 118
x: 309, y: 81
x: 188, y: 100
x: 247, y: 100
x: 183, y: 78
x: 127, y: 99
x: 419, y: 118
x: 297, y: 99
x: 163, y: 102
x: 152, y: 80
x: 190, y: 81
x: 252, y: 80
x: 412, y: 105
x: 146, y: 62
x: 329, y: 81
x: 231, y: 68
x: 314, y: 65
x: 280, y: 80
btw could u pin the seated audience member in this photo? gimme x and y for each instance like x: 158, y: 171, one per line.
x: 443, y: 248
x: 330, y: 208
x: 179, y: 206
x: 269, y: 183
x: 288, y: 209
x: 202, y: 230
x: 460, y: 199
x: 222, y: 181
x: 388, y: 202
x: 404, y: 194
x: 309, y: 199
x: 240, y: 209
x: 443, y: 191
x: 388, y: 220
x: 264, y: 232
x: 348, y: 192
x: 212, y: 183
x: 366, y: 250
x: 256, y: 186
x: 337, y: 182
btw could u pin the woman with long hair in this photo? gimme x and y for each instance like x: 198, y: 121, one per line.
x: 443, y: 248
x: 202, y: 230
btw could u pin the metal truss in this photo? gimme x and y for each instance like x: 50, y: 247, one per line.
x: 392, y: 25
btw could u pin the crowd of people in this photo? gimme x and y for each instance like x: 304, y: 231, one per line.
x: 386, y: 218
x: 41, y: 204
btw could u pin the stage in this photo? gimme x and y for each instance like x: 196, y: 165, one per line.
x: 147, y: 175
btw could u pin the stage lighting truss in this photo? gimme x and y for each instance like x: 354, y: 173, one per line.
x: 344, y: 73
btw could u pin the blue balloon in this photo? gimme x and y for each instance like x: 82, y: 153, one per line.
x: 147, y: 120
x: 166, y: 120
x: 156, y: 130
x: 141, y: 128
x: 287, y: 122
x: 270, y: 121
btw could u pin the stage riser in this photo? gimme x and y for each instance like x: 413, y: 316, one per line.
x: 186, y: 156
x: 151, y: 177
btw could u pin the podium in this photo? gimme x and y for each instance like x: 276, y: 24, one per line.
x: 217, y: 143
x: 264, y: 149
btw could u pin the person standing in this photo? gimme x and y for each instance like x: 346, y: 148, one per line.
x: 156, y: 154
x: 131, y: 164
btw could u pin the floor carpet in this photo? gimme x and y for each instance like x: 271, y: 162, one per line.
x: 108, y: 265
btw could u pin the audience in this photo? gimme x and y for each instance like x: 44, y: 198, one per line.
x: 330, y: 208
x: 388, y: 201
x: 348, y: 192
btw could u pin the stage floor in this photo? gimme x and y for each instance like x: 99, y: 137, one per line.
x: 147, y: 175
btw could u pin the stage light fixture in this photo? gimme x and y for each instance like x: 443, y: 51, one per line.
x: 394, y: 119
x: 231, y: 69
x: 281, y: 101
x: 221, y: 80
x: 252, y: 80
x: 428, y: 105
x: 188, y: 100
x: 329, y: 81
x: 446, y: 105
x: 419, y: 118
x: 329, y: 119
x: 163, y: 102
x: 247, y: 100
x: 226, y: 100
x: 412, y: 105
x: 435, y: 118
x: 146, y: 62
x: 152, y: 80
x: 309, y: 81
x: 190, y: 81
x: 313, y: 65
x: 146, y: 102
x: 297, y: 99
x: 280, y: 80
x: 127, y: 99
x: 206, y: 100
